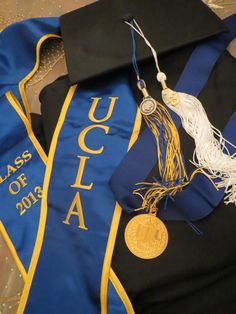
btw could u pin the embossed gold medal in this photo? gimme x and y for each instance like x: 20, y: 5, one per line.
x: 146, y: 236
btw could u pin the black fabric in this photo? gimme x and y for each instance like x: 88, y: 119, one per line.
x: 38, y: 129
x: 96, y: 41
x: 51, y: 111
x: 196, y: 274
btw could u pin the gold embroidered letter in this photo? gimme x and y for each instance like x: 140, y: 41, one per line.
x: 15, y: 186
x: 81, y: 139
x: 94, y: 106
x: 78, y: 179
x: 78, y: 212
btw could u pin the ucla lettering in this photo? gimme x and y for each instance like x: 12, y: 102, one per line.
x: 94, y: 106
x: 76, y: 203
x: 76, y: 208
x: 78, y: 180
x: 81, y: 139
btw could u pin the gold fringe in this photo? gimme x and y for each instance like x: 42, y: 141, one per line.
x: 171, y: 166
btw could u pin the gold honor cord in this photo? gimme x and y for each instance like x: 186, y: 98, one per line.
x: 169, y: 160
x: 146, y: 235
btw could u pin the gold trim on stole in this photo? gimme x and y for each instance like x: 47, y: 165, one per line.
x: 113, y: 233
x: 121, y: 292
x: 43, y: 213
x: 16, y: 105
x: 32, y: 72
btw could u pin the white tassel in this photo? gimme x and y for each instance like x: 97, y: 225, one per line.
x: 211, y: 152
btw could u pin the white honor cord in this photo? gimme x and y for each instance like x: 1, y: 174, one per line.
x: 161, y: 76
x: 211, y: 152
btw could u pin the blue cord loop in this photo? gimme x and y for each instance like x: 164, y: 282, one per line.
x: 140, y: 82
x: 134, y: 48
x: 195, y: 228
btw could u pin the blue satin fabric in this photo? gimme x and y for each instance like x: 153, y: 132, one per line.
x: 14, y: 140
x: 18, y: 50
x: 17, y: 58
x: 200, y: 197
x: 68, y: 274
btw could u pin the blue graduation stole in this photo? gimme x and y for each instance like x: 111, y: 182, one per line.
x: 136, y: 166
x: 22, y: 160
x: 16, y: 69
x: 22, y: 166
x: 20, y: 45
x: 80, y: 215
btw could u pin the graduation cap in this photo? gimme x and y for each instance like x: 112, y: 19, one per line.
x: 97, y: 41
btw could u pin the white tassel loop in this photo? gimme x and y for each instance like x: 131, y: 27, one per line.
x: 210, y: 152
x: 161, y: 76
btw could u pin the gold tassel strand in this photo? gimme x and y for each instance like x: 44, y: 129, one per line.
x: 169, y: 159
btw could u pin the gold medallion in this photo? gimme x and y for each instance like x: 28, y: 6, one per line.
x: 148, y: 106
x: 146, y: 236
